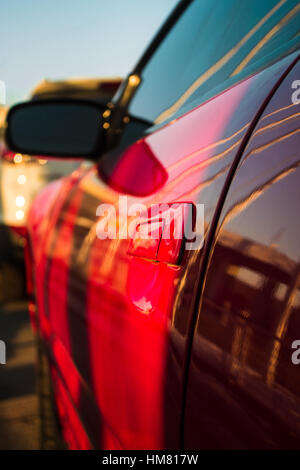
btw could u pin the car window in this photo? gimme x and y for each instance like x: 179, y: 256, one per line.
x: 214, y: 44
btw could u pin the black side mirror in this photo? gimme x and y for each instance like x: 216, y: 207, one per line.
x: 58, y: 128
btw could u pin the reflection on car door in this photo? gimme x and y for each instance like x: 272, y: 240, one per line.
x: 243, y: 389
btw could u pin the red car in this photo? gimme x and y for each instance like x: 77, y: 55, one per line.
x: 167, y: 342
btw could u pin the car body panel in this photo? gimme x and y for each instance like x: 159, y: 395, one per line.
x: 123, y: 321
x: 243, y: 389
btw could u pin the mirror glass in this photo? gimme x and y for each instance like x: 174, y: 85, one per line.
x: 56, y: 128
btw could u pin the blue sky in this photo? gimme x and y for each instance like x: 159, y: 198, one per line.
x: 56, y: 39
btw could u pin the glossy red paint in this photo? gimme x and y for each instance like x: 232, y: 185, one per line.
x: 43, y: 217
x: 73, y: 433
x: 177, y: 231
x: 138, y: 172
x: 123, y: 320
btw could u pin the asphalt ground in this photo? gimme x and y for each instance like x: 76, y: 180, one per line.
x: 19, y: 420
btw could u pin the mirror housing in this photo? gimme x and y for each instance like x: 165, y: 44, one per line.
x: 135, y: 171
x: 56, y: 128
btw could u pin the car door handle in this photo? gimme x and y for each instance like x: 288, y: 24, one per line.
x: 163, y: 233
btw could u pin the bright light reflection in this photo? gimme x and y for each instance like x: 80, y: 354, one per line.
x: 22, y: 179
x: 20, y: 201
x: 18, y: 158
x: 19, y: 215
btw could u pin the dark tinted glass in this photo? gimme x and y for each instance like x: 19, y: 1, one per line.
x: 55, y: 128
x: 214, y: 44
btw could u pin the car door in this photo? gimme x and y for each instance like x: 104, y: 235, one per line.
x: 118, y: 321
x: 243, y: 387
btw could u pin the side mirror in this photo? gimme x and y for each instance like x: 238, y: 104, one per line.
x: 57, y: 128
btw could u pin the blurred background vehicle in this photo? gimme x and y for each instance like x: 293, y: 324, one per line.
x: 24, y: 176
